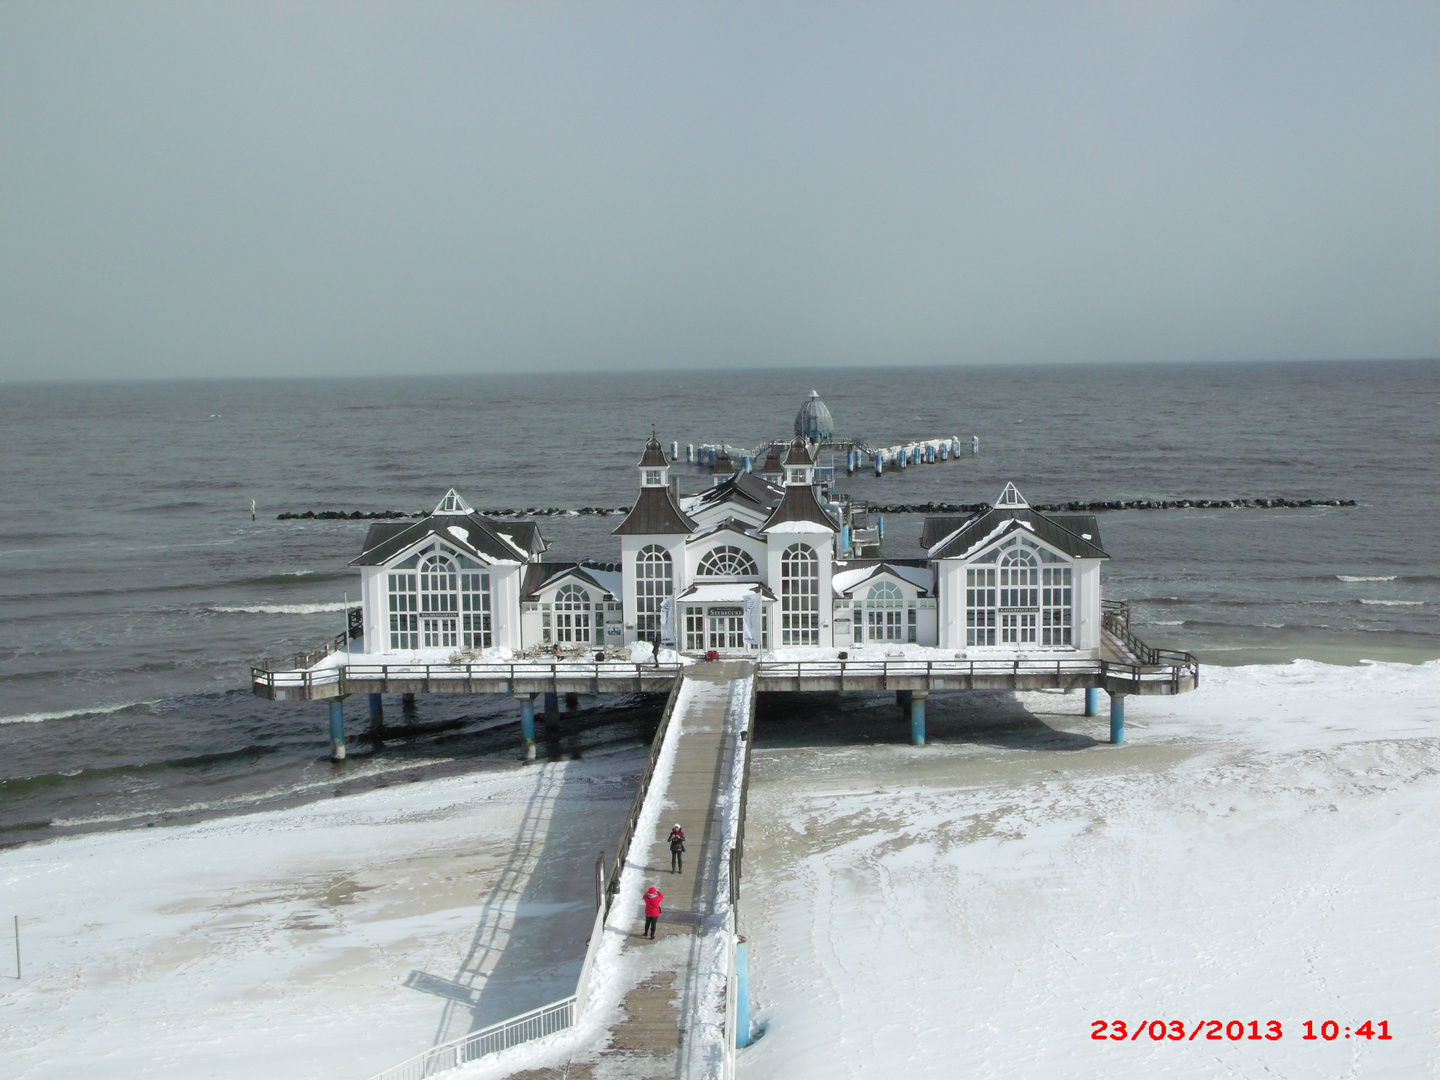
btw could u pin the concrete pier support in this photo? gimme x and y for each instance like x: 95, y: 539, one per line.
x: 337, y: 730
x: 742, y: 994
x: 527, y: 725
x: 1117, y: 719
x: 552, y: 706
x: 572, y: 702
x: 917, y: 717
x: 1092, y: 701
x: 377, y: 710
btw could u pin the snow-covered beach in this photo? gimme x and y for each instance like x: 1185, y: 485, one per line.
x: 330, y: 940
x: 1263, y: 849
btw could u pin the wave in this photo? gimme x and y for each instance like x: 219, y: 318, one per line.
x: 1366, y: 577
x: 279, y: 609
x: 74, y: 714
x: 1393, y: 603
x: 364, y: 772
x: 1165, y: 622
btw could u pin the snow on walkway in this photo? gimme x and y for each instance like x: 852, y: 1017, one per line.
x: 1263, y: 849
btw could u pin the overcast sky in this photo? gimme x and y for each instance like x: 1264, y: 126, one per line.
x: 249, y: 189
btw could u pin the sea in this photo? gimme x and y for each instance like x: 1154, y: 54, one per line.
x: 136, y: 590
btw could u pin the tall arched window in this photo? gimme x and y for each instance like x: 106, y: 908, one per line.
x: 727, y: 561
x: 572, y: 615
x: 1019, y: 596
x: 885, y: 613
x: 654, y: 581
x: 439, y: 603
x: 799, y: 596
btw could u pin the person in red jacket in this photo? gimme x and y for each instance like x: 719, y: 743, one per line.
x: 652, y: 899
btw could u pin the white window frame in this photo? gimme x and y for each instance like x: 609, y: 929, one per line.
x: 799, y: 596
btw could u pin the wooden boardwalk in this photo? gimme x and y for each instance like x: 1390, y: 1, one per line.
x: 669, y: 1023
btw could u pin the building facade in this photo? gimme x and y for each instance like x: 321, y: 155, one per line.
x: 751, y: 564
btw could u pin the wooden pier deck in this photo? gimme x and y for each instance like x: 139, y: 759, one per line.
x: 673, y: 1021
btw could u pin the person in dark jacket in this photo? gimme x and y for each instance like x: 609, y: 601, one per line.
x: 677, y: 849
x: 656, y: 643
x: 652, y: 899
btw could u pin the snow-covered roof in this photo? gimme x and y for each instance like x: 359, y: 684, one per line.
x: 922, y: 577
x: 733, y: 591
x: 465, y: 530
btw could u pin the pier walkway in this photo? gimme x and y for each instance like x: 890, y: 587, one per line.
x: 676, y: 992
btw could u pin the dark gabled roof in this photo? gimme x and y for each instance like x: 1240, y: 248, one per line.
x: 741, y: 485
x: 1082, y: 525
x: 654, y: 456
x: 772, y: 462
x: 997, y: 520
x: 798, y: 454
x: 728, y: 525
x: 482, y: 536
x: 937, y: 528
x: 878, y: 567
x: 538, y: 575
x: 723, y: 462
x: 654, y: 513
x: 527, y: 535
x: 800, y: 504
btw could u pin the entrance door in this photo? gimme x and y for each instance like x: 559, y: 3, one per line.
x: 726, y: 632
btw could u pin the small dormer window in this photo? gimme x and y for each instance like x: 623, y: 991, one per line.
x: 797, y: 476
x: 652, y: 478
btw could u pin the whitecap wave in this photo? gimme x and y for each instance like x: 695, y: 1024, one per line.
x: 70, y: 714
x: 1393, y: 603
x: 278, y: 609
x: 1364, y: 577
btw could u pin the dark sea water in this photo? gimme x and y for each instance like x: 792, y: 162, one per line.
x: 135, y: 589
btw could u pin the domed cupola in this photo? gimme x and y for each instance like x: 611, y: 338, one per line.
x: 813, y: 420
x: 654, y: 469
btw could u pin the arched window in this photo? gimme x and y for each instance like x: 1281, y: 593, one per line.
x: 1019, y: 596
x: 654, y: 581
x: 572, y: 615
x: 799, y: 596
x: 439, y: 603
x: 885, y: 613
x: 727, y: 561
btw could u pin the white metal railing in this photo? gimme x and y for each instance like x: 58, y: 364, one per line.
x: 1172, y: 669
x: 535, y: 1024
x: 324, y: 678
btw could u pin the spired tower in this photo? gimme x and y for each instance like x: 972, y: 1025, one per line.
x: 652, y: 549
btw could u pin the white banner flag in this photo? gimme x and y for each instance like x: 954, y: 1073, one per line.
x: 752, y: 620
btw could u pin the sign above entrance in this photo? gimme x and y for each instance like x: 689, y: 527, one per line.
x: 721, y: 612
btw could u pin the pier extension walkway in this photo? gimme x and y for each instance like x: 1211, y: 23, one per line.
x: 676, y: 993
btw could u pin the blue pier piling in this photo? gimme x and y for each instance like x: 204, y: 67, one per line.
x: 377, y: 708
x: 1117, y: 719
x: 527, y: 725
x: 879, y: 464
x: 974, y: 444
x: 1092, y: 701
x: 742, y: 994
x: 917, y: 719
x: 337, y: 730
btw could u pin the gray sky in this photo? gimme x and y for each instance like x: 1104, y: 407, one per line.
x: 251, y: 189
